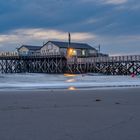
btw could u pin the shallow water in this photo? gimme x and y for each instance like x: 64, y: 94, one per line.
x: 71, y: 82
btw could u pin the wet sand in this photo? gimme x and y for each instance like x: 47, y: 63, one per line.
x: 109, y: 114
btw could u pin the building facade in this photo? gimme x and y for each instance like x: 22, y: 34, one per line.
x: 26, y: 50
x: 60, y: 48
x: 70, y: 49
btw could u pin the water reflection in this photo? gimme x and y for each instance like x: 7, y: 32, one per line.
x: 70, y: 75
x: 71, y: 88
x: 70, y: 80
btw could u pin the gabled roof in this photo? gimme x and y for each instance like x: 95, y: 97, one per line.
x: 72, y: 45
x: 31, y: 47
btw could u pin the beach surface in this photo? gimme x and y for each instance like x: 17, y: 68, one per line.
x: 103, y: 114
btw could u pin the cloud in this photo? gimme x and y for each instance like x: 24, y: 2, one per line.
x: 43, y: 34
x: 115, y: 1
x: 34, y: 35
x: 123, y: 44
x: 36, y: 21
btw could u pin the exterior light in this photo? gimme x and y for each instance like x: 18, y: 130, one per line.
x: 71, y: 52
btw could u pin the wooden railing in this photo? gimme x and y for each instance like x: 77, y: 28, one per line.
x: 12, y: 55
x: 110, y: 59
x: 129, y: 58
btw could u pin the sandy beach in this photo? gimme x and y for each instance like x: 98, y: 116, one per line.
x: 107, y: 114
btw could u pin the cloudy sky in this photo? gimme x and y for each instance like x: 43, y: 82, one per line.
x: 115, y: 24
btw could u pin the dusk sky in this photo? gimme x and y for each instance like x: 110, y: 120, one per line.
x: 115, y: 24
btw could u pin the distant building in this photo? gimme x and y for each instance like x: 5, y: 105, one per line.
x: 26, y: 50
x: 70, y: 49
x: 60, y: 48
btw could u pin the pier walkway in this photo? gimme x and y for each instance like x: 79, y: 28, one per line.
x: 111, y: 65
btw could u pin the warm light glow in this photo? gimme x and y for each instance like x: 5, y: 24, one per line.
x: 70, y: 80
x: 70, y: 75
x: 71, y: 88
x: 71, y: 52
x: 74, y: 52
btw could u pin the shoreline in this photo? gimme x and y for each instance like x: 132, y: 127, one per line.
x: 72, y: 89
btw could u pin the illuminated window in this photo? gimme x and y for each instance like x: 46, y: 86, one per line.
x: 83, y: 52
x: 74, y: 52
x: 71, y: 52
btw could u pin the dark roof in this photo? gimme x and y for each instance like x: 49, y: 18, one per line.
x: 72, y: 45
x: 30, y: 47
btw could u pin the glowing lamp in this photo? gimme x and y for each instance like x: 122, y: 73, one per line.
x: 71, y: 52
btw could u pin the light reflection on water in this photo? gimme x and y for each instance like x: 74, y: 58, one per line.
x: 70, y: 80
x: 72, y: 88
x: 70, y: 75
x: 66, y: 81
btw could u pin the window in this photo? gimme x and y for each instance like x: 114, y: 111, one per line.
x: 83, y: 52
x: 74, y: 52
